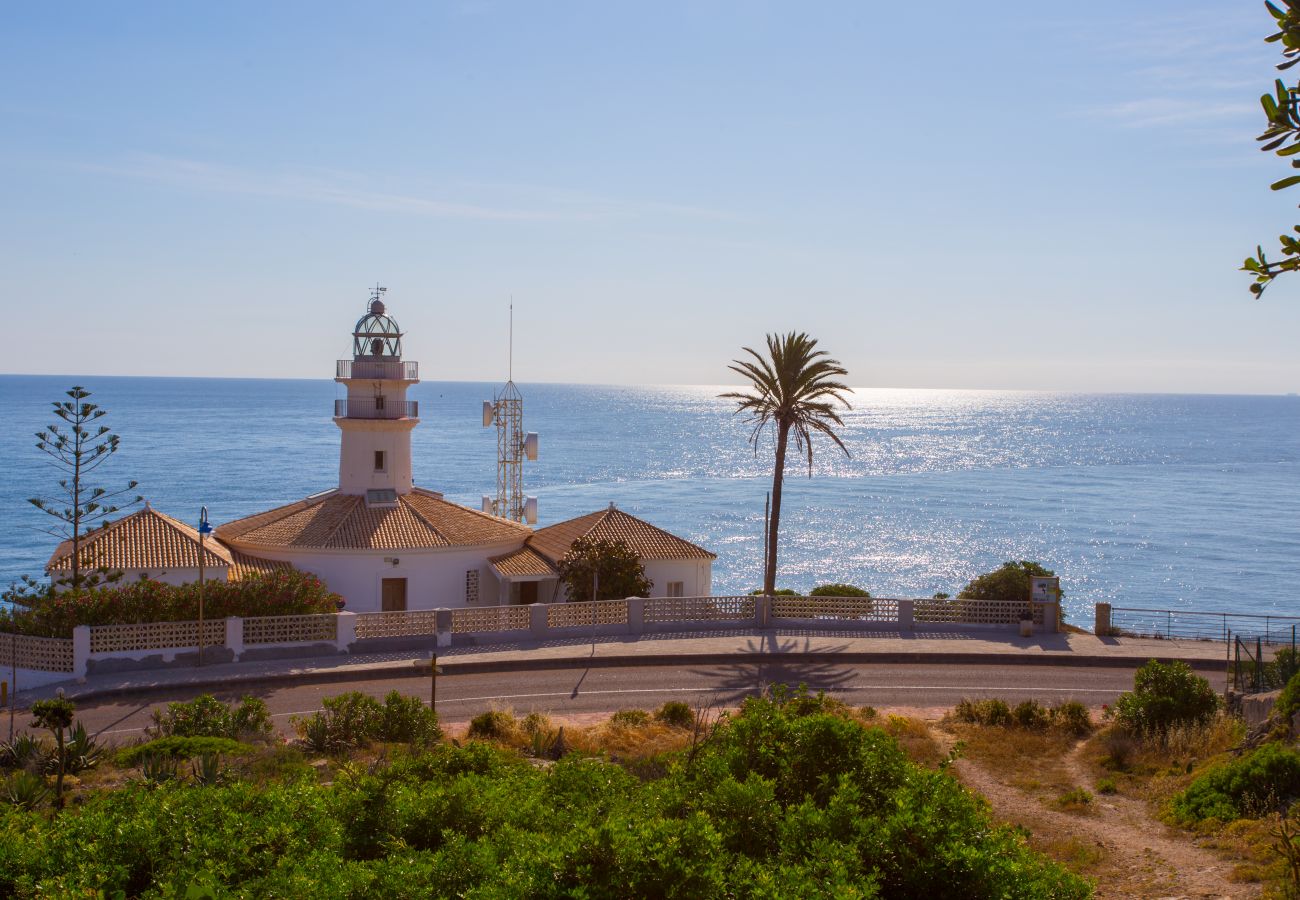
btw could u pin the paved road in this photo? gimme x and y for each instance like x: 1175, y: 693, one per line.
x: 579, y: 690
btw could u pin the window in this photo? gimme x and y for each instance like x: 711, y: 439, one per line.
x: 379, y: 402
x: 379, y: 461
x: 471, y: 587
x: 676, y: 589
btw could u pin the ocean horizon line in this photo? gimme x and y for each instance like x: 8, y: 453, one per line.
x: 722, y: 386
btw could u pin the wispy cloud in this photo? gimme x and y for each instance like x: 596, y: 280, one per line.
x: 494, y: 202
x: 313, y: 185
x: 1153, y: 111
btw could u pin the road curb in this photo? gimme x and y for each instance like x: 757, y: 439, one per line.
x: 450, y: 667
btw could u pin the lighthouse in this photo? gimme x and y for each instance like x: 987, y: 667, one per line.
x: 375, y: 417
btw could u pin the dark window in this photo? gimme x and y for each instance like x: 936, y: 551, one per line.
x: 379, y: 460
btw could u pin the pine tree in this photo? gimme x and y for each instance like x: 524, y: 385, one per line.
x: 79, y: 446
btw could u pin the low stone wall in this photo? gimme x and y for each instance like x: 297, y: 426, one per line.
x: 161, y: 645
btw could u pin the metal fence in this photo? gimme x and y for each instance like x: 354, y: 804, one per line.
x: 1204, y: 626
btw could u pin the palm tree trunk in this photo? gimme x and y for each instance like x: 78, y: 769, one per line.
x: 778, y: 478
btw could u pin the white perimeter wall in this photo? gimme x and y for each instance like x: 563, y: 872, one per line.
x: 434, y: 578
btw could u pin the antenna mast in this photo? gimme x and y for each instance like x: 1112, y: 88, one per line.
x: 506, y: 412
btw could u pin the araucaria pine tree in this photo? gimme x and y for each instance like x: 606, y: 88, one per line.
x: 79, y: 445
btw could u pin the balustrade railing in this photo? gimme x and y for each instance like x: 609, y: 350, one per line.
x: 378, y: 369
x: 373, y: 408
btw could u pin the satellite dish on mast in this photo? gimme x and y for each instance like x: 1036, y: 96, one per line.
x: 489, y: 413
x: 530, y: 446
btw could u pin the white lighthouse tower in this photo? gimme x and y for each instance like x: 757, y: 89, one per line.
x: 376, y: 418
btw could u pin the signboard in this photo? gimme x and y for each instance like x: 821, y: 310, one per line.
x: 1044, y: 588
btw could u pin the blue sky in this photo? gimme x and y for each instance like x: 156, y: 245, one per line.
x: 1010, y: 195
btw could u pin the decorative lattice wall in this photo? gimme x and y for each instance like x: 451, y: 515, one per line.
x: 155, y: 636
x: 973, y: 612
x: 602, y: 612
x: 471, y: 587
x: 490, y: 618
x: 861, y: 609
x: 396, y: 624
x: 290, y: 629
x: 698, y: 609
x: 39, y: 653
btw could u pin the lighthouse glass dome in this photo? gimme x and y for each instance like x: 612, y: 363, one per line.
x: 377, y: 335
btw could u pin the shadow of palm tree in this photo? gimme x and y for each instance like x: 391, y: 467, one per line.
x: 786, y: 665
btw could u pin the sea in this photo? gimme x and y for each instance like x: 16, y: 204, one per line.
x: 1183, y: 502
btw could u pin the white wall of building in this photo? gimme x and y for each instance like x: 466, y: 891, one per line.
x: 361, y: 438
x: 174, y: 576
x: 434, y: 578
x: 696, y: 576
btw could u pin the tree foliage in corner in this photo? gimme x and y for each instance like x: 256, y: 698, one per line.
x: 1282, y: 109
x: 79, y: 446
x: 610, y: 567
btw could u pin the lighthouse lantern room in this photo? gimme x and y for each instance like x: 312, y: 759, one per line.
x: 375, y: 417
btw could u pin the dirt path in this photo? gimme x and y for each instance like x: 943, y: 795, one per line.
x: 1132, y: 855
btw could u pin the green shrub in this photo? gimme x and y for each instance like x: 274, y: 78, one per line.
x: 1030, y: 714
x: 1165, y: 695
x: 983, y: 712
x: 406, y: 720
x: 838, y: 590
x: 677, y: 714
x: 493, y: 725
x: 1263, y: 780
x: 206, y: 716
x: 778, y: 592
x: 1072, y: 717
x: 1077, y: 799
x: 178, y: 747
x: 1288, y: 702
x: 1010, y: 582
x: 1107, y: 786
x: 633, y: 718
x: 354, y: 719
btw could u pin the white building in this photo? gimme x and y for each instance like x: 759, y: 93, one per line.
x: 150, y: 544
x: 675, y: 567
x: 377, y: 539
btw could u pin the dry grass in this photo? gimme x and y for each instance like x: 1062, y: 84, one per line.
x: 1031, y: 761
x: 913, y: 736
x: 1154, y: 769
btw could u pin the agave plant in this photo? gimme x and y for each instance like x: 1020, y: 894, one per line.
x: 207, y: 769
x: 22, y: 752
x: 157, y: 768
x: 25, y: 790
x: 82, y: 751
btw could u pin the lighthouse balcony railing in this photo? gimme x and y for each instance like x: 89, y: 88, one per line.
x: 378, y: 370
x: 372, y: 408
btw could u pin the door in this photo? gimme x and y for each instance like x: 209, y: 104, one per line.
x: 528, y: 592
x: 393, y: 595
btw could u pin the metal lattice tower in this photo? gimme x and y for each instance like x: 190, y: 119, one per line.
x: 506, y: 411
x: 509, y: 419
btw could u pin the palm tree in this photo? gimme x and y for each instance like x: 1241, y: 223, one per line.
x: 794, y: 390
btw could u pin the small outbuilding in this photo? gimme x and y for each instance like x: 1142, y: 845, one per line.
x: 675, y: 566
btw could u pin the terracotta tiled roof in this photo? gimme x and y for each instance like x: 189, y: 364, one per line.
x: 245, y: 566
x: 344, y: 522
x: 523, y: 562
x: 146, y: 539
x: 646, y: 541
